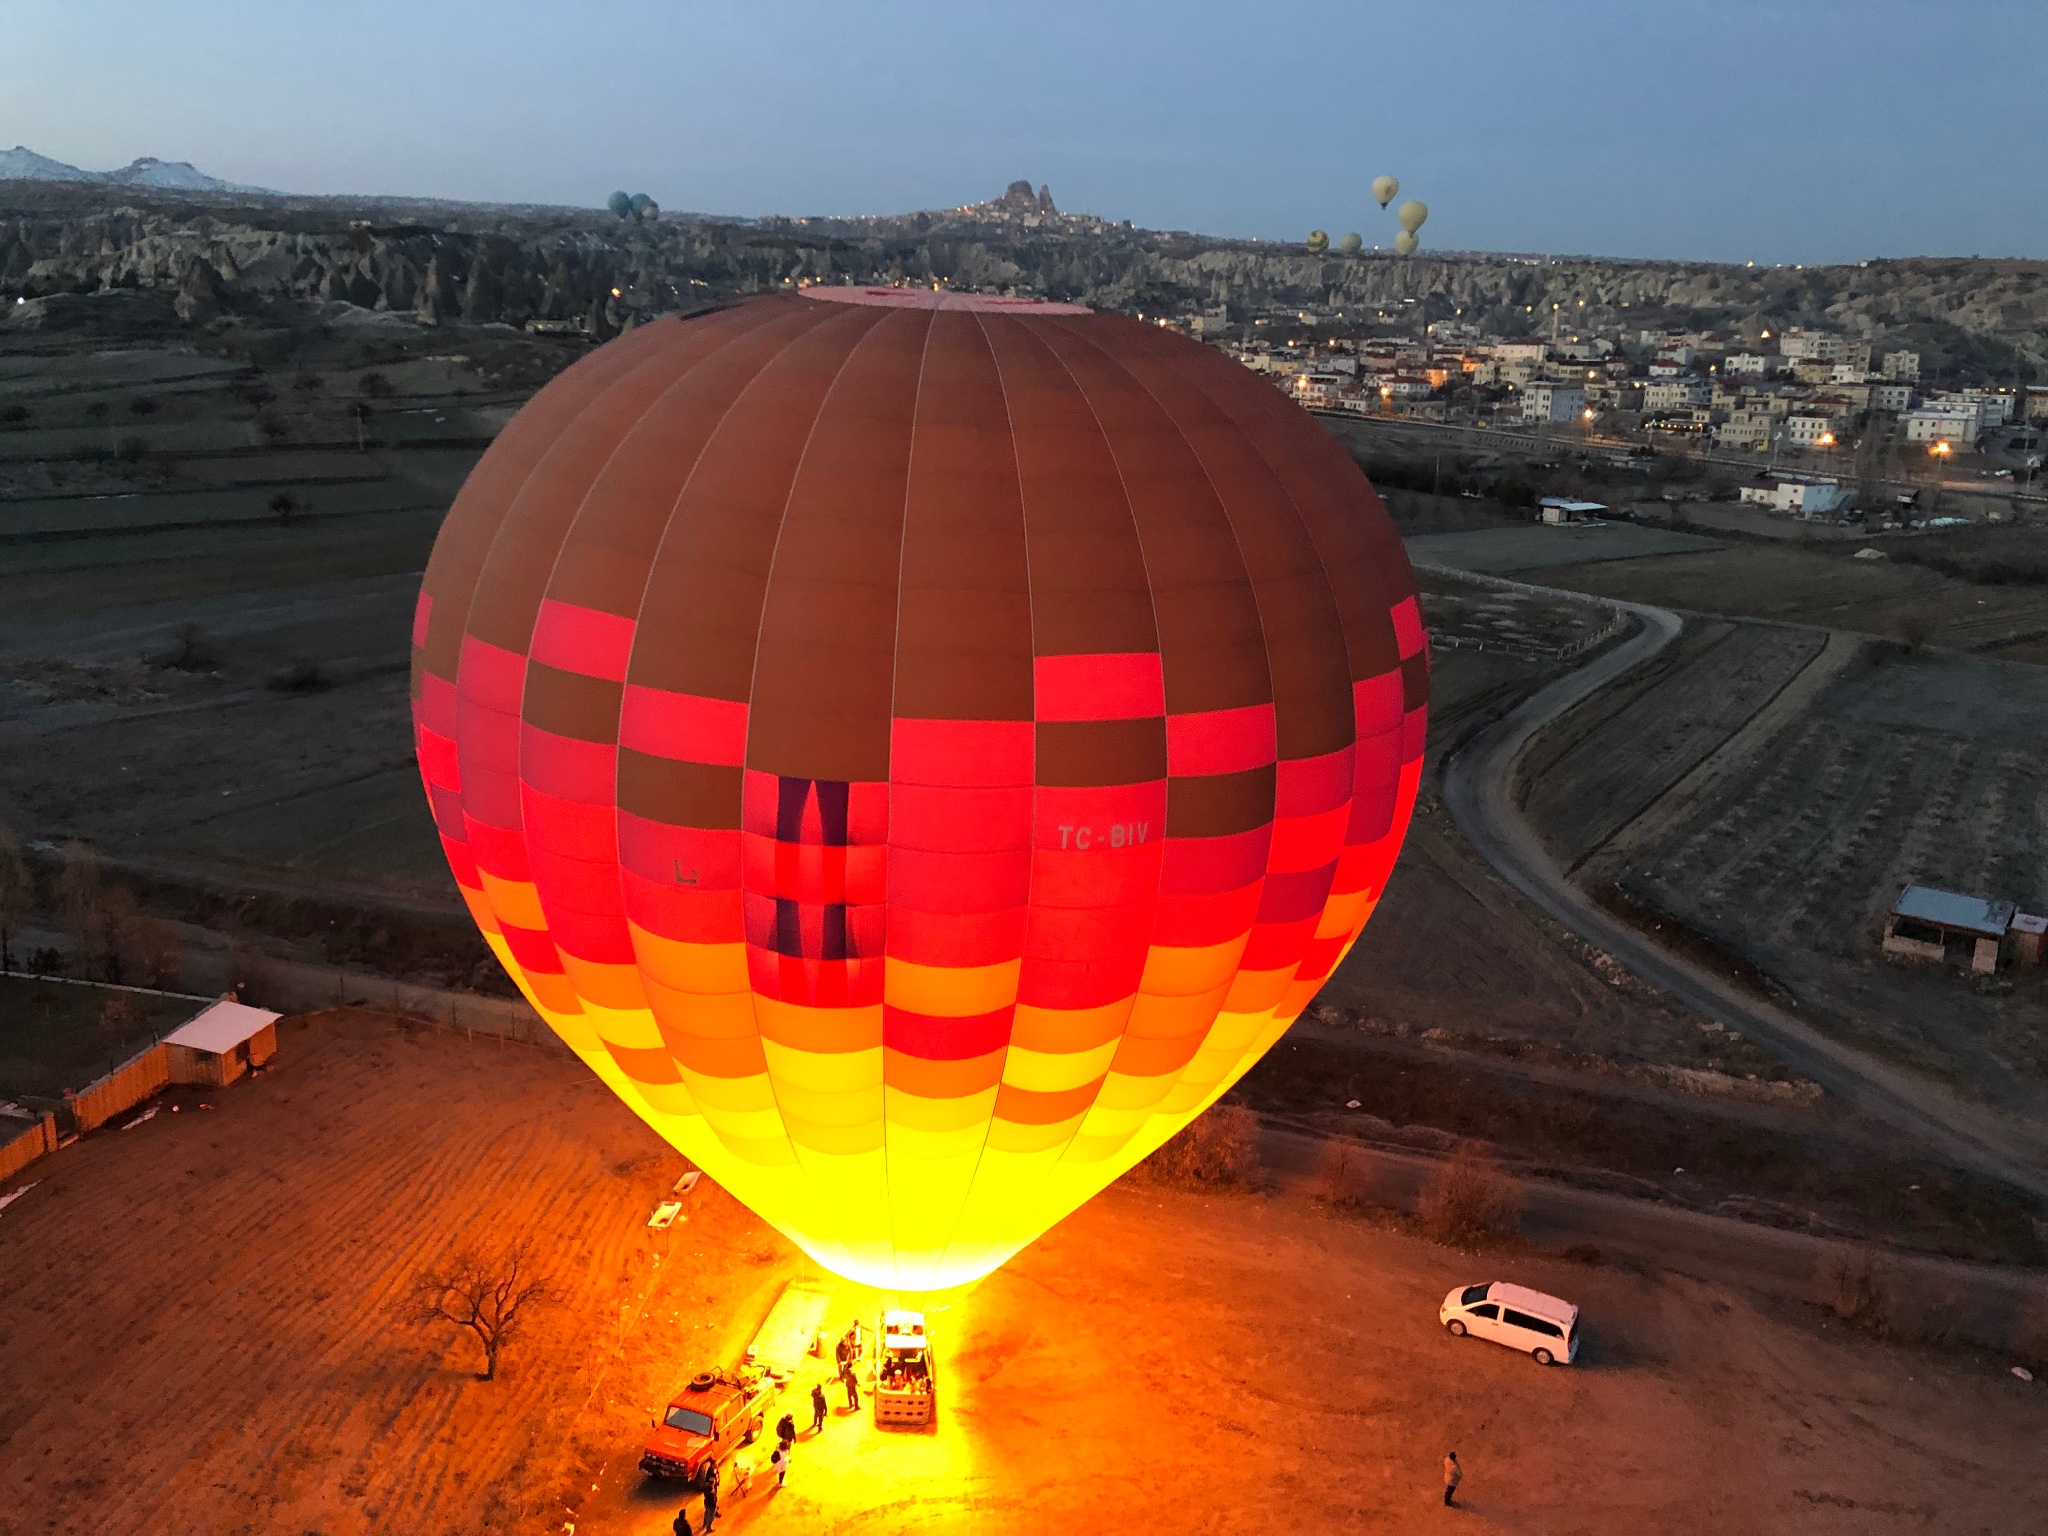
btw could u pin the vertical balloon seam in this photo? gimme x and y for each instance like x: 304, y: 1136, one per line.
x: 889, y: 783
x: 505, y: 521
x: 981, y: 322
x: 657, y: 357
x: 1109, y: 445
x: 1397, y: 551
x: 639, y: 608
x: 1227, y: 405
x: 767, y: 584
x: 1251, y: 585
x: 442, y: 612
x: 1151, y: 600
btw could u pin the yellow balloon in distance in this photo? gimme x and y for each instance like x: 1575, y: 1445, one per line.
x: 1413, y: 215
x: 1384, y: 188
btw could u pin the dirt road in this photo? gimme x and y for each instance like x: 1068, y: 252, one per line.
x: 1477, y: 791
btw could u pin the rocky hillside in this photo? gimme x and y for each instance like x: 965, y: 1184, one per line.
x: 479, y: 264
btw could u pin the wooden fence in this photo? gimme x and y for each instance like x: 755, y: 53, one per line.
x: 120, y: 1090
x: 31, y: 1144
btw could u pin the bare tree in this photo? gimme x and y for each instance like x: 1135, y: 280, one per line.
x: 488, y: 1296
x: 1470, y: 1198
x: 83, y: 901
x: 17, y: 893
x: 151, y: 954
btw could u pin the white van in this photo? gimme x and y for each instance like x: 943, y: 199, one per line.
x: 1515, y: 1316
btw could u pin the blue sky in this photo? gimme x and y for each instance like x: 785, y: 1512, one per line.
x: 1766, y: 130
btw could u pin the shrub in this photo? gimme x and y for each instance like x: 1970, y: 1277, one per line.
x: 142, y: 405
x: 14, y: 415
x: 1469, y: 1199
x: 1856, y: 1285
x: 299, y: 677
x: 1219, y: 1147
x: 1339, y: 1170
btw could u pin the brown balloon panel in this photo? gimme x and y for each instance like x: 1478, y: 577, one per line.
x: 918, y: 749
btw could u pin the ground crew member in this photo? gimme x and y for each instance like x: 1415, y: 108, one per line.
x: 781, y: 1461
x: 1453, y: 1475
x: 785, y: 1430
x: 852, y: 1386
x: 817, y: 1407
x: 681, y: 1526
x: 711, y: 1501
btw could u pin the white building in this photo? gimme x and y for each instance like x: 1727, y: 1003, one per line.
x: 1803, y: 498
x: 1671, y: 394
x: 1902, y: 365
x: 1750, y: 364
x: 1806, y: 430
x: 1545, y: 400
x: 1959, y: 425
x: 1890, y: 397
x: 1531, y: 351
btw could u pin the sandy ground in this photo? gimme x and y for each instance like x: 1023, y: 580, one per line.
x: 203, y: 1333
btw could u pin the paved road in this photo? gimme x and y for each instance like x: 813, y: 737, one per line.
x: 1477, y: 789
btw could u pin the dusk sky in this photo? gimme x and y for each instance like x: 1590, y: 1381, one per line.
x: 1800, y: 130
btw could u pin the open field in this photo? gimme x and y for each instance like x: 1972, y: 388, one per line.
x: 56, y: 1035
x: 1833, y: 589
x: 204, y: 1334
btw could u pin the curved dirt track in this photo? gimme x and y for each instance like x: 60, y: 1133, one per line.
x: 1477, y: 791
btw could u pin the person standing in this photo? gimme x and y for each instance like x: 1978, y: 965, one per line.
x: 1453, y: 1475
x: 781, y: 1463
x: 817, y: 1407
x: 681, y: 1524
x: 711, y: 1500
x: 852, y: 1385
x: 785, y: 1430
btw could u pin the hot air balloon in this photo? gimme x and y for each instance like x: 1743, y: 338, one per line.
x: 1318, y: 242
x: 1384, y: 188
x: 1405, y: 242
x: 644, y: 207
x: 620, y: 203
x: 1413, y: 215
x: 1351, y: 243
x: 918, y: 749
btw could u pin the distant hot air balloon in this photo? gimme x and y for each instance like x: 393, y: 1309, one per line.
x: 1351, y: 243
x: 1413, y: 215
x: 1318, y: 242
x: 918, y: 749
x: 644, y: 207
x: 620, y: 203
x: 1405, y: 242
x: 1384, y: 188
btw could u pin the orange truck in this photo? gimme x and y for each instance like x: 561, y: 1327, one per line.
x: 703, y: 1425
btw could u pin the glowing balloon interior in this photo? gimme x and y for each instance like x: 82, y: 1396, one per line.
x: 918, y: 750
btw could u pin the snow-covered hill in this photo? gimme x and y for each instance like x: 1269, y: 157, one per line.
x: 23, y: 164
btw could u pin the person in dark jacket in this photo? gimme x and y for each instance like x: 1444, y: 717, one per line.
x: 710, y: 1502
x: 817, y: 1407
x: 681, y: 1524
x: 852, y: 1385
x: 785, y: 1430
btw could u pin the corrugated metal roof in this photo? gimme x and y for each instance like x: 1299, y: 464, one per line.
x: 220, y: 1028
x: 1947, y: 909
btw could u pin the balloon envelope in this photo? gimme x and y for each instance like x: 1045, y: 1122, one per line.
x: 1405, y: 242
x: 918, y: 749
x: 1384, y: 188
x: 644, y: 206
x: 1413, y: 215
x: 1318, y: 242
x: 1351, y: 243
x: 620, y: 203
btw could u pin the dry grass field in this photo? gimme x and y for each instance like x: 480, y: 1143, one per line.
x: 204, y: 1331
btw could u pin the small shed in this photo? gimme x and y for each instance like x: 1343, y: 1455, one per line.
x: 1562, y: 511
x: 2029, y: 938
x: 223, y: 1042
x: 1925, y: 921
